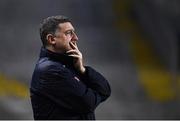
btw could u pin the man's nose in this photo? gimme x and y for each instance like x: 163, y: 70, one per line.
x: 75, y: 38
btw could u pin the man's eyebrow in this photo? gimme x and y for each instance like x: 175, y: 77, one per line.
x: 58, y: 28
x: 70, y: 30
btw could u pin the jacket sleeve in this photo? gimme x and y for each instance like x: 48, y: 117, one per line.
x: 60, y: 86
x: 97, y: 82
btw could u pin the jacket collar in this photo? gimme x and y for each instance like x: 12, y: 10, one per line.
x: 63, y: 58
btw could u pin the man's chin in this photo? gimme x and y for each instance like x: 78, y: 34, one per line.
x: 67, y: 49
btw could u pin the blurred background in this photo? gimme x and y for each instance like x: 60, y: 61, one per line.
x: 133, y: 43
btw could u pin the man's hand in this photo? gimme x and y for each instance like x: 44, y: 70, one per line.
x: 78, y: 59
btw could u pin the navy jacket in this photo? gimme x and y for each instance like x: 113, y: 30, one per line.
x: 59, y: 92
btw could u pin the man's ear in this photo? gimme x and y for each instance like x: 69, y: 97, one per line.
x: 50, y: 39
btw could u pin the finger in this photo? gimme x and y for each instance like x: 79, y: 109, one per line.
x: 76, y: 51
x: 76, y: 45
x: 72, y: 51
x: 75, y: 56
x: 72, y: 45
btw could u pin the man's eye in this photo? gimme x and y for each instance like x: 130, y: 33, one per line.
x: 69, y: 33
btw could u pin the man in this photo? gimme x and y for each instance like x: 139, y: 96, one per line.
x: 61, y: 86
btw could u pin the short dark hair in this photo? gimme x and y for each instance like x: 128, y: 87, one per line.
x: 50, y: 25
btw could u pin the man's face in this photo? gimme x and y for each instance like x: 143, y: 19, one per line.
x: 64, y: 36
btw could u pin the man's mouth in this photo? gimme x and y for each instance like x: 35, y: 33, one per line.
x: 74, y: 43
x: 71, y: 45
